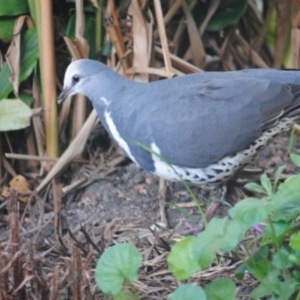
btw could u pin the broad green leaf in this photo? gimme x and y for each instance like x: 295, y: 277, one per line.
x: 276, y: 230
x: 266, y: 184
x: 228, y: 15
x: 272, y: 285
x: 206, y: 243
x: 296, y: 275
x: 29, y: 56
x: 234, y: 233
x: 280, y: 259
x: 6, y: 28
x: 295, y: 241
x: 5, y: 87
x: 116, y: 264
x: 14, y: 114
x: 295, y: 159
x: 250, y: 211
x: 287, y: 196
x: 13, y: 7
x: 294, y: 258
x: 241, y: 271
x: 286, y: 288
x: 181, y: 260
x: 254, y: 187
x: 220, y: 234
x: 189, y: 292
x: 221, y: 289
x: 26, y: 98
x: 258, y: 264
x: 29, y: 53
x: 260, y: 292
x: 286, y: 213
x: 89, y: 29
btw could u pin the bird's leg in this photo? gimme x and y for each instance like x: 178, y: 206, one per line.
x: 162, y: 188
x: 218, y: 195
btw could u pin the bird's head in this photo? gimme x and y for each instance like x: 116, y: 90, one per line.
x: 78, y: 77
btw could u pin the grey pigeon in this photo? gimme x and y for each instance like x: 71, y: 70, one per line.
x: 205, y: 125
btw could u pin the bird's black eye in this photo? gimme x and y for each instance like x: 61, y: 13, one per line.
x: 75, y: 79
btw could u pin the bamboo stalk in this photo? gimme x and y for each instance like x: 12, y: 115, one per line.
x: 48, y: 74
x: 79, y: 113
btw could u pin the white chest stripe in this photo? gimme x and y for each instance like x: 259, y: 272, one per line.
x: 116, y: 135
x: 162, y: 169
x: 105, y: 101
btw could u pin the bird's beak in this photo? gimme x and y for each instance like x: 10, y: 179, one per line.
x: 63, y: 95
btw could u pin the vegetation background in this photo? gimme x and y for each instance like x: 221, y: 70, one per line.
x: 42, y: 144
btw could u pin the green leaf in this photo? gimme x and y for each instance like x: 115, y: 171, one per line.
x: 254, y: 187
x: 234, y: 233
x: 26, y: 98
x: 260, y: 291
x: 229, y: 14
x: 89, y: 29
x: 287, y: 213
x: 107, y: 48
x: 29, y: 56
x: 189, y: 292
x: 14, y: 114
x: 250, y: 211
x: 280, y: 259
x: 29, y: 53
x: 276, y: 230
x: 181, y: 260
x: 274, y: 286
x: 296, y: 275
x: 220, y: 234
x: 295, y: 241
x: 207, y: 242
x: 294, y: 258
x: 285, y: 289
x: 241, y: 271
x: 295, y: 159
x: 266, y: 184
x: 6, y: 87
x: 6, y: 28
x: 192, y: 254
x: 13, y: 7
x: 287, y: 196
x: 258, y: 264
x: 221, y: 289
x: 117, y: 263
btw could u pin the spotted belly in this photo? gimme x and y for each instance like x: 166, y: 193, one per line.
x: 221, y: 171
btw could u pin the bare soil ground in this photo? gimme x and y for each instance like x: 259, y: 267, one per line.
x: 132, y: 193
x: 56, y: 244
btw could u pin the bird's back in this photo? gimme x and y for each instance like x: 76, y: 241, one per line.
x: 198, y: 119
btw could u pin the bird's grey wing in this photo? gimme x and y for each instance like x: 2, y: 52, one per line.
x: 212, y: 119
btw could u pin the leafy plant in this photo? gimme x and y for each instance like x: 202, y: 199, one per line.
x: 118, y: 264
x: 226, y: 15
x: 14, y: 114
x: 273, y: 262
x: 29, y: 57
